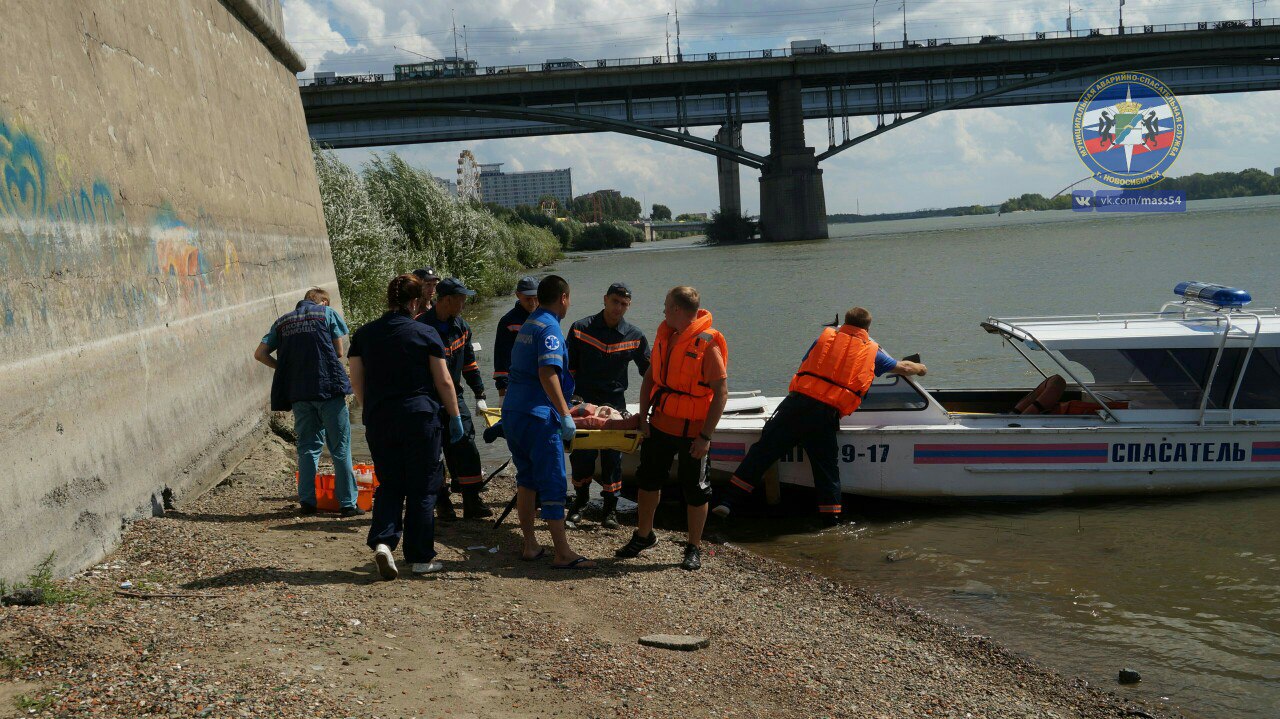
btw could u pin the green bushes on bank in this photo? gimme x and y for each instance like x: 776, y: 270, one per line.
x: 726, y: 228
x: 608, y: 236
x: 392, y: 218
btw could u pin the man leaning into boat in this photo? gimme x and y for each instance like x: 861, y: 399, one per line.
x: 833, y: 378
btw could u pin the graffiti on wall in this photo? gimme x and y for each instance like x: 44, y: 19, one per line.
x: 55, y: 227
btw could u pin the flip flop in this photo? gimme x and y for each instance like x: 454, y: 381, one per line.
x: 542, y: 552
x: 575, y: 564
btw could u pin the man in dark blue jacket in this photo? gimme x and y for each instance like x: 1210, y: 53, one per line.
x: 601, y: 347
x: 461, y: 457
x: 508, y: 328
x: 311, y: 381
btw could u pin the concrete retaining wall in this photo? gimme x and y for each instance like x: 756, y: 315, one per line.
x: 158, y: 209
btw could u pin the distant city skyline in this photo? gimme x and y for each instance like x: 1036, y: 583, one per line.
x: 964, y: 157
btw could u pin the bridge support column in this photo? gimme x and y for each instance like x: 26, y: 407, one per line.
x: 727, y: 171
x: 793, y: 205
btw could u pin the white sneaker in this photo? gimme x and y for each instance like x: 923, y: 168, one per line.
x: 721, y: 510
x: 427, y: 567
x: 386, y: 563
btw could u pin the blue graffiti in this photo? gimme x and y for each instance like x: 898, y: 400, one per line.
x: 22, y: 175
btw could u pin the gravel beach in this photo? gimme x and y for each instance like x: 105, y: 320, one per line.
x: 240, y: 608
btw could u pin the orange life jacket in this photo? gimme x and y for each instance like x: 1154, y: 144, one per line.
x: 678, y: 387
x: 839, y: 368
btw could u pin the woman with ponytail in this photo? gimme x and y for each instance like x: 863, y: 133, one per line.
x: 399, y: 376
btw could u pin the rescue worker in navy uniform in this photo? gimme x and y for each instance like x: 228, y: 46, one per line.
x: 462, y: 457
x: 600, y: 349
x: 310, y: 380
x: 401, y: 379
x: 429, y: 281
x: 834, y: 377
x: 508, y: 328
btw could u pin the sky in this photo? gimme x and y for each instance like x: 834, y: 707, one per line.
x: 960, y: 157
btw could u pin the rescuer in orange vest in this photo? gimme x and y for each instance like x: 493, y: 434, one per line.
x: 685, y: 388
x: 832, y: 381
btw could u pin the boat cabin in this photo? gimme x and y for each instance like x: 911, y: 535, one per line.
x: 1203, y: 359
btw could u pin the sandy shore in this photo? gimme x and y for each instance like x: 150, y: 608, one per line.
x: 287, y: 620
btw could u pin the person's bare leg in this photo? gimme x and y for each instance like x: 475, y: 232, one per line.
x: 647, y: 507
x: 525, y: 500
x: 564, y: 555
x: 697, y: 518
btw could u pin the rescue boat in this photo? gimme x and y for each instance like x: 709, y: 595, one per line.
x: 1184, y: 399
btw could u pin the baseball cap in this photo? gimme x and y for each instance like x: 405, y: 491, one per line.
x: 426, y: 274
x: 527, y: 286
x: 619, y: 288
x: 453, y: 286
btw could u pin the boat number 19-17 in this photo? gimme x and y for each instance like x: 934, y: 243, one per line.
x: 848, y: 453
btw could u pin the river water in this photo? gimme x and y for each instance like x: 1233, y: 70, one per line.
x: 1185, y: 590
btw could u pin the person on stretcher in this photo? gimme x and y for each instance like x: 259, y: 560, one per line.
x: 590, y: 416
x: 585, y: 416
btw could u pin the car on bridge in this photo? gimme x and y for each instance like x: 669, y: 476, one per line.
x: 563, y: 63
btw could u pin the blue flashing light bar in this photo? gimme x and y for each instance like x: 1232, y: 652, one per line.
x: 1211, y: 294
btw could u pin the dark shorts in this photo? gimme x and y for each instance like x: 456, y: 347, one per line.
x: 656, y: 453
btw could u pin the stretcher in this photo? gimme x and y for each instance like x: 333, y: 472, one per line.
x: 622, y: 440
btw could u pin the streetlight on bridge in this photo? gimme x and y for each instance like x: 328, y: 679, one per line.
x: 873, y: 23
x: 904, y: 23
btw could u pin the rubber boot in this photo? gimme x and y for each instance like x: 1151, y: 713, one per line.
x: 444, y: 508
x: 610, y: 518
x: 473, y: 507
x: 579, y: 504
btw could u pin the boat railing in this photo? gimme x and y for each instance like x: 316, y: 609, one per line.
x: 1227, y: 317
x: 1184, y: 310
x: 1105, y: 408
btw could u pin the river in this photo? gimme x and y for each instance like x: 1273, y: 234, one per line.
x: 1185, y: 590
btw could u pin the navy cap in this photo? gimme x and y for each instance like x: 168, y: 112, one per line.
x: 619, y: 288
x: 453, y: 286
x: 527, y: 286
x: 426, y: 274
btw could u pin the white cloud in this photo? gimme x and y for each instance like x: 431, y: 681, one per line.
x: 955, y: 158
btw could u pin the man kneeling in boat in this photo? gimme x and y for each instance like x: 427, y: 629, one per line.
x: 834, y: 376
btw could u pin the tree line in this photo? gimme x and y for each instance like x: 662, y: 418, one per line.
x: 388, y: 218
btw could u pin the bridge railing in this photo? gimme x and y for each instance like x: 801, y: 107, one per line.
x: 651, y: 60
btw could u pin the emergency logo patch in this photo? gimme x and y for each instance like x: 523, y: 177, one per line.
x: 552, y: 342
x: 1128, y: 129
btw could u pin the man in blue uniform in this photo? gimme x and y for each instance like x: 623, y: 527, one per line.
x: 601, y: 347
x: 311, y: 380
x: 535, y: 415
x: 508, y: 327
x: 462, y: 457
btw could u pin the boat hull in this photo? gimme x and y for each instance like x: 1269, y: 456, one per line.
x: 946, y: 463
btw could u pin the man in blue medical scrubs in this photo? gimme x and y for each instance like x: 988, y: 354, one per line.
x: 535, y: 416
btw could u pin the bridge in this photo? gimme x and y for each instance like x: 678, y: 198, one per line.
x: 893, y: 82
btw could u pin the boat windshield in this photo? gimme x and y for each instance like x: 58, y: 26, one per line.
x: 1174, y: 378
x: 891, y: 393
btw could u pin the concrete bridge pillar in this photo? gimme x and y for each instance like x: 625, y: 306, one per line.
x: 727, y: 171
x: 792, y: 203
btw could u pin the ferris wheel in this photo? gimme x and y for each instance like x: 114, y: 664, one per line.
x: 468, y: 177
